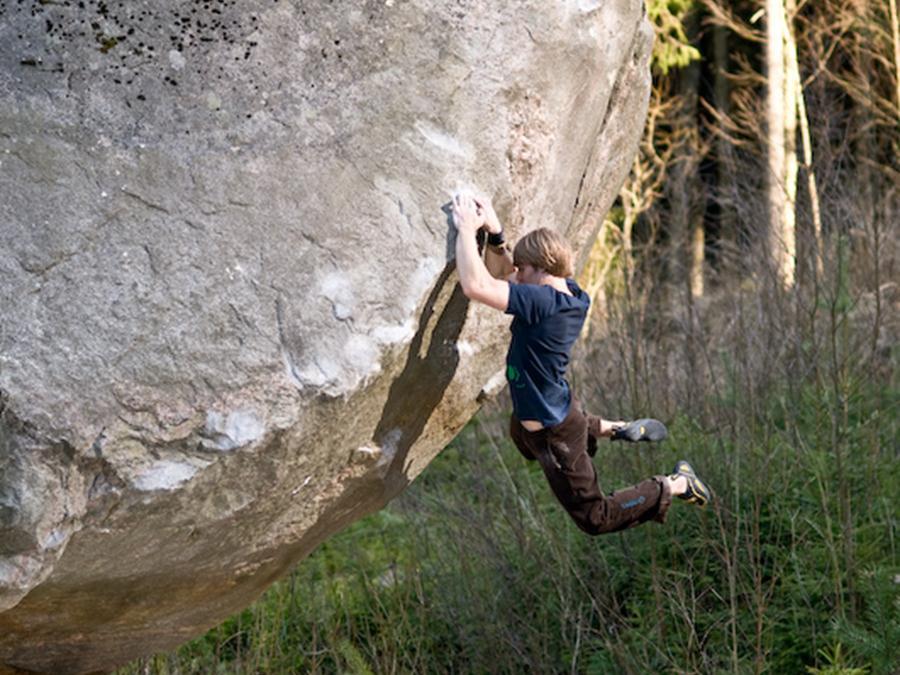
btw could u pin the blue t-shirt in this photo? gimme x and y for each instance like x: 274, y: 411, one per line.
x: 545, y: 327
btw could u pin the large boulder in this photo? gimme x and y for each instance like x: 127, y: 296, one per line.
x: 231, y: 323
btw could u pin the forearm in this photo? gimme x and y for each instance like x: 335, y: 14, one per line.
x: 499, y: 262
x: 471, y: 268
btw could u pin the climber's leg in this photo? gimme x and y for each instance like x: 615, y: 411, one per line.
x: 562, y: 453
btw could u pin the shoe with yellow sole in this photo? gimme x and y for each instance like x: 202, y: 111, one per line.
x: 697, y: 492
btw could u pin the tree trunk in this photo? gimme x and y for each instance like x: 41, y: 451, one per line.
x: 791, y: 87
x: 895, y: 34
x: 721, y: 102
x: 698, y: 254
x: 780, y: 239
x: 815, y: 212
x: 867, y: 148
x: 685, y: 188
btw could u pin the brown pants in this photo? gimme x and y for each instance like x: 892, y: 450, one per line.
x: 562, y: 452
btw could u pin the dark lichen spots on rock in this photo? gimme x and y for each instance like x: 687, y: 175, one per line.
x: 39, y: 64
x: 107, y: 42
x: 131, y: 42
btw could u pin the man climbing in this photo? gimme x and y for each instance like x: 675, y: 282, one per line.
x: 534, y: 284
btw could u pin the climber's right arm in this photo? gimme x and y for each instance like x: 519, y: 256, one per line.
x: 477, y: 283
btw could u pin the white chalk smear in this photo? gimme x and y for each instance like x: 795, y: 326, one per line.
x: 444, y: 141
x: 164, y: 475
x: 465, y: 348
x: 234, y: 430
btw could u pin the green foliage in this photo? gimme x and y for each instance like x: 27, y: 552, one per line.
x: 353, y: 659
x: 835, y: 664
x: 671, y: 47
x: 477, y: 569
x: 875, y: 637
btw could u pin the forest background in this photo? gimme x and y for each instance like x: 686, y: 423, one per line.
x: 745, y: 290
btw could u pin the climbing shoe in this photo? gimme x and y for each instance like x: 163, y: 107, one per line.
x: 697, y: 492
x: 640, y: 430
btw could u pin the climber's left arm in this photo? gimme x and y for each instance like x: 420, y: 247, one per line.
x: 499, y: 261
x: 498, y: 257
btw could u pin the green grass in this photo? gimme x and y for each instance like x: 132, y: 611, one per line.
x: 477, y: 569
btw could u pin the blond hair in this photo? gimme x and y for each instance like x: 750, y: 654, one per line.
x: 546, y: 250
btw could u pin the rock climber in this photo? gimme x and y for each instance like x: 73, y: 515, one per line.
x: 534, y: 284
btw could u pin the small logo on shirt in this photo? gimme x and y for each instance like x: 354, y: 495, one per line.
x: 514, y: 377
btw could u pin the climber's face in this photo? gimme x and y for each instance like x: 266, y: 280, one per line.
x: 528, y: 274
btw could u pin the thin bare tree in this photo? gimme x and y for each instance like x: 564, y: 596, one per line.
x: 780, y: 123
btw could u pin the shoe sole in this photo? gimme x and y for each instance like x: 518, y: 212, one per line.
x: 641, y: 430
x: 697, y: 493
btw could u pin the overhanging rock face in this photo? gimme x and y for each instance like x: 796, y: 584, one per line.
x: 230, y: 317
